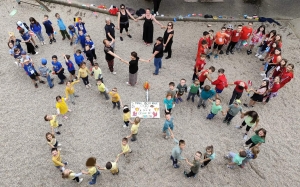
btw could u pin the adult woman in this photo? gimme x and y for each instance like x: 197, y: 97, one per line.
x: 148, y: 26
x: 259, y: 94
x: 168, y: 39
x: 157, y: 54
x: 287, y: 75
x: 269, y: 38
x: 37, y: 29
x: 274, y: 61
x: 110, y: 55
x: 26, y: 37
x: 257, y: 37
x: 133, y: 68
x: 280, y: 68
x: 123, y: 21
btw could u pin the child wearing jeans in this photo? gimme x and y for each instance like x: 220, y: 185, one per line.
x: 134, y: 129
x: 232, y: 111
x: 112, y: 166
x: 45, y: 72
x: 193, y: 90
x: 236, y: 158
x: 57, y: 161
x: 83, y: 73
x: 216, y: 107
x: 92, y: 170
x: 126, y: 116
x: 168, y: 102
x: 168, y: 126
x: 115, y: 98
x: 205, y: 94
x: 69, y: 174
x: 181, y: 89
x: 176, y: 151
x: 194, y: 165
x: 102, y: 89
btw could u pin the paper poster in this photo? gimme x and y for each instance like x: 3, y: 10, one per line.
x: 145, y: 109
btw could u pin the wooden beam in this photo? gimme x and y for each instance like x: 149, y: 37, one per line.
x: 43, y: 5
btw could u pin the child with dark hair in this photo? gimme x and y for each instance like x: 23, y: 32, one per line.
x: 73, y: 34
x: 69, y: 174
x: 236, y: 159
x: 126, y: 116
x: 37, y: 29
x: 45, y: 72
x: 112, y: 166
x: 102, y: 88
x: 194, y: 88
x: 57, y: 161
x: 83, y: 73
x: 70, y: 91
x: 176, y: 151
x: 259, y: 94
x: 172, y: 90
x: 89, y: 54
x: 62, y: 27
x: 79, y: 58
x: 205, y: 94
x: 232, y: 111
x: 80, y: 25
x: 53, y: 123
x: 61, y: 106
x: 194, y: 165
x: 209, y: 155
x: 81, y: 38
x: 235, y: 36
x: 71, y: 68
x: 49, y: 28
x: 89, y: 42
x: 257, y: 37
x: 51, y: 140
x: 27, y: 39
x: 215, y: 109
x: 257, y: 139
x: 92, y: 170
x: 205, y: 74
x: 200, y: 63
x: 97, y: 72
x: 251, y: 120
x: 58, y: 69
x: 168, y: 126
x: 180, y: 90
x: 221, y: 82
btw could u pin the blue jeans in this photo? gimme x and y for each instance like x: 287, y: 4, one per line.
x: 94, y: 178
x: 50, y: 83
x: 157, y: 64
x: 40, y: 36
x: 210, y: 116
x: 191, y: 95
x: 228, y: 117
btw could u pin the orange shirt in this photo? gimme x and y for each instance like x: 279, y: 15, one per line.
x: 220, y: 38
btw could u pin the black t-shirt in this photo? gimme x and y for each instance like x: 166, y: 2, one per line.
x: 133, y: 66
x: 89, y: 54
x: 107, y: 55
x: 159, y: 48
x: 166, y: 36
x: 110, y: 29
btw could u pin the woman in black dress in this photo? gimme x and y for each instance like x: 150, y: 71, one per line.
x: 148, y: 26
x: 123, y: 21
x: 168, y: 39
x: 133, y: 68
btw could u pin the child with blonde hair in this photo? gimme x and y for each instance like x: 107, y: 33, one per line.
x: 70, y: 91
x: 51, y: 140
x: 251, y: 154
x: 69, y: 174
x: 134, y: 128
x: 115, y: 98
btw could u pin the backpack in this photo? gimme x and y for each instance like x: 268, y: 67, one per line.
x: 113, y: 10
x: 208, y: 16
x: 140, y: 12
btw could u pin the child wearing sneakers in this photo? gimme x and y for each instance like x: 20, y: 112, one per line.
x: 172, y: 90
x: 176, y: 151
x: 181, y: 89
x: 134, y: 129
x: 216, y: 107
x: 57, y: 161
x: 251, y: 120
x: 126, y: 115
x: 62, y: 27
x: 209, y: 155
x: 31, y: 72
x: 194, y: 165
x: 45, y: 72
x: 83, y: 73
x: 102, y: 89
x: 70, y: 91
x: 168, y: 126
x: 112, y: 166
x: 92, y: 170
x: 232, y: 111
x: 58, y: 69
x: 49, y: 29
x: 236, y: 159
x: 53, y: 123
x: 125, y: 147
x: 221, y: 82
x: 69, y: 174
x: 194, y: 88
x: 205, y: 74
x: 115, y: 98
x: 71, y: 67
x: 205, y: 94
x: 96, y: 72
x: 51, y: 140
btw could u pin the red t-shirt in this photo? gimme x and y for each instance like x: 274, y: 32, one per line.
x: 202, y: 76
x: 221, y: 82
x: 201, y: 50
x: 200, y: 64
x: 279, y: 71
x: 227, y: 39
x: 237, y: 86
x: 246, y: 33
x: 286, y: 77
x: 235, y: 36
x: 275, y: 87
x: 210, y: 41
x: 220, y: 38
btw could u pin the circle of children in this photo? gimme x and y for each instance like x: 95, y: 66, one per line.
x: 278, y: 72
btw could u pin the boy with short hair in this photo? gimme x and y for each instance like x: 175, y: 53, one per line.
x: 112, y: 166
x: 73, y: 34
x: 205, y: 94
x: 58, y: 69
x: 96, y: 72
x: 62, y: 28
x: 203, y: 75
x: 235, y: 37
x: 181, y: 89
x: 199, y: 65
x: 202, y: 49
x: 57, y: 161
x: 194, y: 88
x: 92, y: 170
x: 168, y: 126
x: 125, y: 147
x: 45, y: 72
x: 102, y: 88
x: 216, y: 107
x: 194, y: 165
x: 236, y: 159
x: 172, y: 90
x: 204, y: 37
x: 49, y: 28
x: 232, y: 111
x: 71, y: 68
x: 221, y: 82
x: 219, y: 41
x: 245, y: 35
x: 115, y: 98
x: 30, y: 70
x: 79, y: 58
x: 53, y: 123
x: 81, y: 38
x: 176, y: 151
x: 80, y: 25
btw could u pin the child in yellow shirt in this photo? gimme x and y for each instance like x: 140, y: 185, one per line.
x: 92, y: 170
x: 134, y: 129
x: 69, y: 174
x: 112, y: 166
x: 102, y: 89
x: 125, y: 147
x: 53, y: 123
x: 96, y: 72
x: 51, y: 140
x: 115, y: 98
x: 70, y: 91
x: 83, y: 73
x: 126, y: 116
x: 61, y: 106
x: 57, y: 161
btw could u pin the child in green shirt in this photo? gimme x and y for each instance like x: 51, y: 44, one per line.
x: 216, y: 107
x: 236, y: 159
x: 194, y: 165
x: 193, y: 90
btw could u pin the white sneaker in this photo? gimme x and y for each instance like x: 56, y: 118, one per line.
x: 87, y: 86
x: 245, y: 137
x: 90, y: 85
x: 238, y: 127
x: 157, y: 13
x: 114, y: 72
x: 17, y: 63
x: 59, y: 149
x: 59, y: 144
x: 154, y: 15
x: 36, y: 53
x: 80, y: 180
x: 42, y: 43
x: 124, y: 126
x: 257, y: 55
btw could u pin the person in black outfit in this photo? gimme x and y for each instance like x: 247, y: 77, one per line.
x: 168, y: 39
x: 110, y: 31
x: 123, y: 21
x: 89, y: 54
x: 110, y: 55
x: 158, y: 53
x: 156, y: 6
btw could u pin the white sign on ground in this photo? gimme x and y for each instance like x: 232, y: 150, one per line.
x: 145, y: 109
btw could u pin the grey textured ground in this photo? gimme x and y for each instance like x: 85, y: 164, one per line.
x: 94, y: 129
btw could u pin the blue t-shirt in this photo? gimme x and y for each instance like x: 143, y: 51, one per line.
x: 56, y: 66
x: 61, y: 24
x: 207, y: 94
x: 17, y: 43
x: 168, y: 124
x: 78, y: 59
x: 81, y: 39
x: 26, y: 36
x: 169, y: 103
x: 29, y: 68
x: 80, y: 27
x: 70, y: 65
x: 90, y: 43
x: 48, y: 26
x: 36, y: 28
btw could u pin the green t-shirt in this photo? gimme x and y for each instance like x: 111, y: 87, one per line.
x: 194, y: 89
x: 238, y: 160
x: 195, y: 168
x: 257, y: 139
x: 248, y: 120
x: 215, y: 108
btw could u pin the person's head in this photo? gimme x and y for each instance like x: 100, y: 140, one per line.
x: 205, y: 34
x: 78, y: 52
x: 198, y: 155
x: 277, y: 51
x: 211, y: 69
x: 204, y: 43
x: 66, y: 173
x: 202, y: 56
x: 49, y: 136
x: 218, y: 101
x: 274, y: 44
x: 32, y: 20
x: 168, y: 116
x: 255, y: 151
x: 239, y: 28
x: 181, y: 144
x: 114, y: 90
x: 46, y: 17
x: 229, y: 27
x: 209, y: 149
x: 159, y: 40
x: 283, y: 62
x: 137, y: 120
x: 82, y: 65
x: 250, y: 24
x: 253, y: 115
x: 170, y: 25
x: 278, y: 38
x: 108, y: 165
x: 182, y: 82
x: 122, y: 7
x: 211, y: 32
x: 72, y: 28
x: 68, y: 83
x: 171, y: 85
x: 277, y: 79
x: 79, y: 19
x: 221, y: 71
x: 124, y: 141
x: 290, y: 67
x: 21, y: 31
x: 58, y: 98
x: 169, y: 96
x: 133, y: 55
x: 44, y: 61
x: 261, y: 132
x: 87, y: 47
x: 48, y: 117
x: 237, y: 103
x: 243, y: 153
x: 241, y: 85
x: 54, y: 151
x: 99, y: 82
x: 272, y: 33
x: 17, y: 51
x: 197, y: 82
x: 126, y: 109
x: 23, y: 53
x: 87, y: 37
x: 68, y: 57
x: 206, y: 88
x: 57, y: 15
x: 223, y: 29
x: 107, y: 21
x: 106, y: 42
x: 10, y: 45
x: 90, y: 162
x: 54, y: 58
x: 96, y: 65
x: 148, y: 11
x: 261, y: 29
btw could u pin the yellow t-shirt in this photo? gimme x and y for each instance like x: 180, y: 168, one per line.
x: 57, y: 160
x: 53, y: 122
x: 92, y: 170
x: 126, y: 116
x: 101, y: 87
x: 114, y: 169
x: 72, y: 175
x: 62, y: 106
x: 125, y: 148
x: 97, y: 72
x: 82, y: 73
x: 114, y: 96
x: 52, y: 142
x: 135, y: 128
x: 70, y: 89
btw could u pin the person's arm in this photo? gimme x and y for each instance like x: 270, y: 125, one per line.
x: 141, y: 17
x: 58, y: 111
x: 28, y: 39
x: 155, y: 53
x: 143, y: 60
x: 169, y: 38
x: 85, y: 172
x: 50, y: 144
x: 113, y: 54
x: 257, y: 145
x: 124, y: 61
x: 117, y: 159
x: 128, y: 13
x: 256, y: 125
x: 100, y: 168
x: 129, y: 136
x: 231, y: 163
x: 67, y: 94
x: 157, y: 22
x: 108, y: 33
x: 77, y: 174
x: 187, y: 161
x: 211, y: 101
x: 58, y: 162
x: 208, y: 77
x: 118, y: 26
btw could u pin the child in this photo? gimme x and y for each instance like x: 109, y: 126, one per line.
x: 62, y: 107
x: 102, y: 89
x: 251, y: 120
x: 53, y: 123
x: 209, y: 155
x: 240, y: 86
x: 172, y: 90
x: 89, y: 54
x: 246, y: 33
x: 45, y: 72
x: 194, y: 166
x: 219, y: 41
x: 79, y: 58
x: 210, y: 41
x: 125, y: 147
x: 81, y: 38
x: 200, y: 63
x: 49, y: 29
x: 31, y: 72
x: 92, y: 169
x: 205, y: 94
x: 236, y: 159
x: 57, y: 161
x: 71, y: 67
x: 115, y: 98
x: 80, y: 25
x: 27, y: 40
x: 71, y: 175
x: 134, y: 129
x: 194, y: 88
x: 168, y: 102
x: 181, y: 89
x: 83, y: 73
x: 220, y: 83
x: 62, y: 27
x: 257, y: 37
x: 17, y: 42
x: 229, y: 31
x: 126, y: 116
x: 89, y: 42
x: 257, y: 139
x: 272, y: 92
x: 203, y: 75
x: 259, y: 94
x: 176, y: 151
x: 17, y: 55
x: 112, y: 166
x: 235, y: 36
x: 51, y: 140
x: 96, y: 71
x: 73, y: 34
x: 232, y: 111
x: 70, y: 91
x: 37, y: 29
x: 216, y: 107
x: 58, y: 69
x: 168, y: 126
x: 251, y: 154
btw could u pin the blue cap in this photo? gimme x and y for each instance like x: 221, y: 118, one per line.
x: 44, y: 61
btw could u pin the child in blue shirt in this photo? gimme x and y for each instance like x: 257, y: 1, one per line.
x: 71, y: 67
x: 205, y: 94
x: 168, y: 126
x: 79, y: 58
x: 31, y: 72
x: 27, y: 39
x: 73, y: 33
x: 45, y: 72
x: 81, y: 39
x: 58, y: 69
x: 80, y: 25
x: 168, y: 101
x: 49, y: 29
x: 37, y: 29
x: 62, y: 27
x: 88, y: 41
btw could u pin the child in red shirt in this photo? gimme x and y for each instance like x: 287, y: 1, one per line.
x: 200, y: 63
x: 202, y: 49
x: 204, y: 37
x: 247, y: 31
x: 287, y: 75
x: 235, y: 36
x: 272, y: 92
x: 228, y: 31
x: 205, y: 74
x: 220, y: 83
